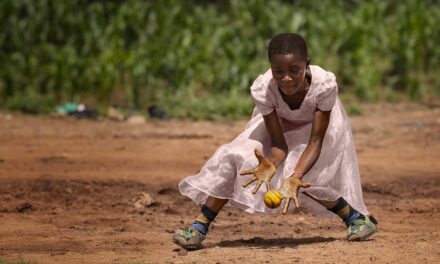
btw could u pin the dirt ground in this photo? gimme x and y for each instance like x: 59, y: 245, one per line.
x: 67, y: 190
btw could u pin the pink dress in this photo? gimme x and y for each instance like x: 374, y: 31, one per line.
x: 335, y: 174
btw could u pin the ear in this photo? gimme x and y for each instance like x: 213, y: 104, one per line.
x: 308, y: 62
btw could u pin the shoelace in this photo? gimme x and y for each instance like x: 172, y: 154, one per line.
x: 187, y: 234
x: 356, y: 225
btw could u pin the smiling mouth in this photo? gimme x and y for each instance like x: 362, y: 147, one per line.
x: 288, y: 90
x: 289, y: 87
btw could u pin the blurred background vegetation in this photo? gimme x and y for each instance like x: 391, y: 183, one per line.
x: 197, y: 59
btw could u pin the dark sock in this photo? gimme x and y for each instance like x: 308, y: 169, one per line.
x: 346, y: 212
x: 203, y: 221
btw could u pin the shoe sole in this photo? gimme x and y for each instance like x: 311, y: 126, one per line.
x: 363, y: 238
x: 188, y: 247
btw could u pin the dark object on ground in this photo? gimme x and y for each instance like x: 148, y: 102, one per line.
x: 83, y: 111
x: 156, y: 112
x: 24, y: 207
x: 76, y: 110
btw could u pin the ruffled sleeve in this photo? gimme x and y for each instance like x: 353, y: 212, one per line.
x: 327, y: 93
x: 261, y: 94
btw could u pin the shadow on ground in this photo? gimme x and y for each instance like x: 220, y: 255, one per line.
x: 259, y: 242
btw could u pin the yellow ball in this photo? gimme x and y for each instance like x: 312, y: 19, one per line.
x: 273, y: 199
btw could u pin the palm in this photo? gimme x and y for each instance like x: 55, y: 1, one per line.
x: 289, y: 190
x: 262, y: 173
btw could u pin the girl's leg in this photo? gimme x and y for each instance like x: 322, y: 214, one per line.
x: 341, y: 208
x: 326, y: 204
x: 215, y: 204
x: 193, y: 237
x: 360, y: 227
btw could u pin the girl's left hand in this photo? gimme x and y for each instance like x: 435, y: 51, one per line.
x: 289, y: 190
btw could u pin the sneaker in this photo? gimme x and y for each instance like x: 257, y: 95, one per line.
x: 361, y: 229
x: 189, y: 239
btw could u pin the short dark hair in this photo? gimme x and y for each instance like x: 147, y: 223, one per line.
x: 288, y: 43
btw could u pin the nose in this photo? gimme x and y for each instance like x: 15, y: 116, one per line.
x: 286, y: 78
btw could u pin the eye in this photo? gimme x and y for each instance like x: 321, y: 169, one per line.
x: 294, y: 71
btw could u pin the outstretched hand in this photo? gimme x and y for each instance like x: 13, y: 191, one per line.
x: 263, y: 172
x: 289, y: 190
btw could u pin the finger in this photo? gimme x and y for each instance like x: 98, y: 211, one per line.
x: 295, y: 199
x: 249, y: 181
x: 251, y: 171
x: 258, y: 155
x: 257, y: 187
x: 286, y: 205
x: 268, y: 186
x: 305, y: 184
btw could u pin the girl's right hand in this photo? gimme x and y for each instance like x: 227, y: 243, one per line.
x: 263, y: 172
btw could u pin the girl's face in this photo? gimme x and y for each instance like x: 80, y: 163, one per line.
x: 288, y: 72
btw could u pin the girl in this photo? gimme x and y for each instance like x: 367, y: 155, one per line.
x: 301, y: 127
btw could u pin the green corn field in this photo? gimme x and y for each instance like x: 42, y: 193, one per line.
x: 197, y: 59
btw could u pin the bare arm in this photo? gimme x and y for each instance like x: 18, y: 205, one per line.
x: 279, y: 148
x: 267, y: 167
x: 311, y: 154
